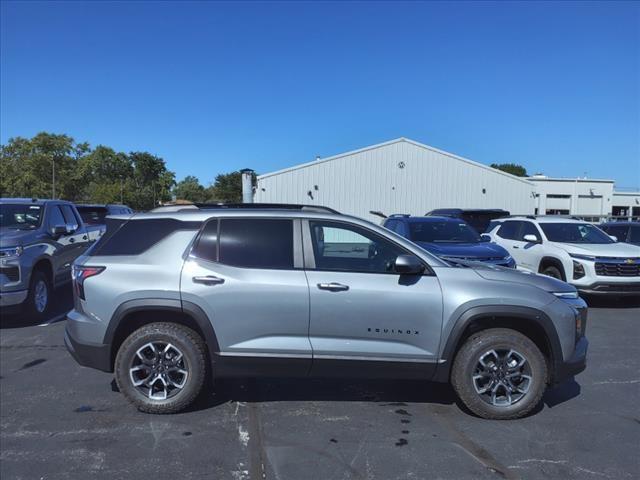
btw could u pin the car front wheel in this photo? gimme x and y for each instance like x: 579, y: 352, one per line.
x: 39, y: 297
x: 161, y: 367
x: 499, y: 374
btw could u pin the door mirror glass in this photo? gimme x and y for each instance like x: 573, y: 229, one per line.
x: 531, y: 238
x: 408, y: 265
x: 485, y: 238
x: 58, y: 231
x: 71, y: 228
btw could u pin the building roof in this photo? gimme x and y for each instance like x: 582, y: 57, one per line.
x: 384, y: 144
x: 542, y: 178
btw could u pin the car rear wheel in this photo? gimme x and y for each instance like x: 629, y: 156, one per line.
x: 499, y: 374
x: 39, y: 297
x: 161, y: 367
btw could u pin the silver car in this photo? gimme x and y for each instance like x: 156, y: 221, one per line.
x: 167, y: 298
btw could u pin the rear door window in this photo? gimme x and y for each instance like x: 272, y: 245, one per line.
x: 256, y: 243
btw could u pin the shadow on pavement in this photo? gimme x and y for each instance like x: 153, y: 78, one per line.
x: 337, y: 390
x: 62, y: 303
x: 604, y: 301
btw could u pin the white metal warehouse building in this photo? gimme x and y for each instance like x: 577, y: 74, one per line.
x: 399, y: 176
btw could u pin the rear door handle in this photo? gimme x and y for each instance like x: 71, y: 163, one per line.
x: 208, y: 280
x: 333, y: 286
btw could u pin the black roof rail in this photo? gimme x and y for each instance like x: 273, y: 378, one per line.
x: 250, y: 206
x: 377, y: 213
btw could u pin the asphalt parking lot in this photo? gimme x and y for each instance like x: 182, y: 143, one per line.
x: 60, y: 420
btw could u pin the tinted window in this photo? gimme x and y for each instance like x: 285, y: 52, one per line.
x: 55, y: 216
x: 509, y: 230
x: 634, y: 234
x: 93, y: 215
x: 618, y: 231
x: 528, y: 228
x: 256, y: 243
x: 69, y: 216
x: 207, y: 246
x: 443, y: 232
x: 341, y: 247
x: 575, y: 233
x: 20, y: 216
x: 136, y: 236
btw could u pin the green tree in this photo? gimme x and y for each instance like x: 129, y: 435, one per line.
x: 105, y: 172
x: 512, y: 168
x: 43, y: 166
x: 227, y: 188
x: 150, y: 183
x: 190, y: 189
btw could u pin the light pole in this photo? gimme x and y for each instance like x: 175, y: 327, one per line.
x: 53, y: 178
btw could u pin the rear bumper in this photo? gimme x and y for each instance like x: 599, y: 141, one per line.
x: 574, y: 365
x: 96, y: 356
x: 9, y: 299
x: 610, y: 288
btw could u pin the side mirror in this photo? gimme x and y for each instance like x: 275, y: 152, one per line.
x: 531, y: 238
x: 71, y: 228
x: 614, y: 238
x: 485, y: 238
x: 408, y: 265
x: 58, y: 231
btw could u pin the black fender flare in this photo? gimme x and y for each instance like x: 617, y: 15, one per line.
x: 502, y: 311
x: 165, y: 305
x: 553, y: 261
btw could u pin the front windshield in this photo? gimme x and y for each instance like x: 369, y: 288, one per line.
x: 20, y: 216
x: 443, y: 232
x: 575, y: 233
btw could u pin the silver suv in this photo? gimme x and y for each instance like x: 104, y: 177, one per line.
x: 166, y: 299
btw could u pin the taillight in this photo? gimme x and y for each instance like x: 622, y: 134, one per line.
x: 79, y: 274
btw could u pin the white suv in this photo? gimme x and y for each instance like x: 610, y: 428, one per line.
x: 571, y: 250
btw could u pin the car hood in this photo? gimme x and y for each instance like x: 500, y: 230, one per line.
x: 475, y: 250
x: 604, y: 250
x: 10, y: 237
x: 511, y: 275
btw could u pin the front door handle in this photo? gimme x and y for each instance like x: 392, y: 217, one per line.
x: 515, y: 246
x: 333, y: 286
x: 208, y: 280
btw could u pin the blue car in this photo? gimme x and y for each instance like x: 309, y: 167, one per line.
x: 449, y: 238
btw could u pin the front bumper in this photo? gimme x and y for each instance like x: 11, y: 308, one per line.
x: 96, y: 356
x: 8, y: 299
x: 611, y: 288
x: 574, y: 365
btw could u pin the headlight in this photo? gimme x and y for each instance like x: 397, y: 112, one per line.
x: 566, y: 294
x: 10, y: 252
x: 582, y: 257
x: 578, y: 270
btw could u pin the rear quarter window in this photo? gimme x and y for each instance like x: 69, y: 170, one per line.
x: 137, y: 236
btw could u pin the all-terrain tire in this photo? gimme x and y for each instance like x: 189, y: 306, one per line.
x: 194, y: 361
x: 467, y: 361
x: 553, y: 271
x: 34, y: 308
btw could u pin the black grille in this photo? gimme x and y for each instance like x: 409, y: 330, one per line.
x: 609, y: 269
x: 12, y: 273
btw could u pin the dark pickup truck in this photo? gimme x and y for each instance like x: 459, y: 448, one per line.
x: 39, y: 240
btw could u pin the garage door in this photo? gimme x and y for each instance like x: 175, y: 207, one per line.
x: 589, y: 205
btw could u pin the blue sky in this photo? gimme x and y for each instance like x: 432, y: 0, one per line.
x: 214, y: 87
